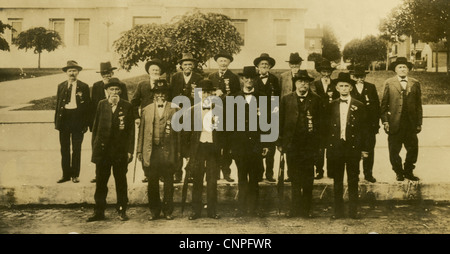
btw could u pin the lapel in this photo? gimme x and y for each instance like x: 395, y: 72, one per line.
x: 350, y: 103
x: 397, y: 84
x: 408, y: 87
x: 119, y: 108
x: 337, y: 113
x: 320, y: 87
x: 151, y: 111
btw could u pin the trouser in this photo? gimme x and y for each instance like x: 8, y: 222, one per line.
x: 269, y: 161
x: 225, y: 163
x: 206, y: 162
x: 159, y: 168
x: 320, y: 161
x: 406, y: 136
x: 248, y: 177
x: 348, y: 160
x: 301, y: 166
x: 119, y: 169
x: 368, y: 161
x: 70, y: 132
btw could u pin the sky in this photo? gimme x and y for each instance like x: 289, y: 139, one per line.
x: 350, y: 19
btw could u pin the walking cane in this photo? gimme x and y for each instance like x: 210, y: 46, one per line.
x: 185, y: 188
x: 280, y: 184
x: 134, y: 171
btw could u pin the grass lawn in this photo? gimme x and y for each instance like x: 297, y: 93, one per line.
x: 435, y: 87
x: 16, y: 73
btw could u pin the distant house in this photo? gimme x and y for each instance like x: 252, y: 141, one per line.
x: 313, y: 40
x: 435, y: 55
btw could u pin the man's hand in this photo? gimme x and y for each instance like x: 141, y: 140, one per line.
x: 139, y: 156
x: 364, y: 154
x: 218, y: 93
x: 280, y: 149
x: 137, y: 122
x: 265, y: 151
x: 419, y: 128
x: 386, y: 127
x: 130, y: 157
x: 85, y: 129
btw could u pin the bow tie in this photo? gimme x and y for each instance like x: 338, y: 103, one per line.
x: 302, y: 97
x: 206, y: 108
x: 160, y: 105
x: 251, y: 93
x: 264, y: 76
x: 343, y: 101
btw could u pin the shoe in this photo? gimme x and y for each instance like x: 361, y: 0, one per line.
x: 145, y: 180
x: 94, y: 180
x: 288, y: 180
x: 370, y: 179
x: 355, y: 215
x: 319, y: 176
x: 194, y: 216
x: 292, y: 214
x: 168, y: 217
x: 123, y: 216
x: 96, y: 217
x: 228, y: 178
x: 270, y: 179
x: 337, y: 216
x: 307, y: 215
x: 411, y: 176
x: 400, y: 177
x: 239, y: 213
x: 190, y: 180
x: 75, y: 180
x: 177, y: 179
x: 153, y: 217
x: 214, y: 216
x: 62, y: 180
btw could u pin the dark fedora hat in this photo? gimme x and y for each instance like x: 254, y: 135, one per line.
x: 400, y: 60
x: 106, y: 67
x: 302, y: 75
x: 249, y: 72
x: 359, y: 70
x: 187, y: 57
x: 113, y: 82
x: 155, y: 61
x: 295, y: 58
x: 324, y: 65
x: 344, y: 77
x: 72, y: 64
x: 264, y: 56
x: 206, y: 85
x: 223, y: 54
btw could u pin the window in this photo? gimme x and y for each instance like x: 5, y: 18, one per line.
x: 142, y: 20
x: 312, y: 43
x: 58, y: 26
x: 281, y: 31
x: 17, y: 27
x: 241, y: 25
x: 81, y: 32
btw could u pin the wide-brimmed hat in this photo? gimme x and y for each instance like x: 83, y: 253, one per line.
x: 187, y: 57
x: 302, y: 75
x: 324, y: 65
x: 344, y: 77
x: 155, y: 61
x: 359, y: 70
x: 113, y: 82
x: 106, y: 67
x: 224, y: 54
x: 72, y: 64
x: 400, y: 60
x: 264, y: 56
x: 249, y: 72
x: 295, y: 58
x: 206, y: 85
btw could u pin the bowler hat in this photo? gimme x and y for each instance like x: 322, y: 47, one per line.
x: 206, y: 85
x: 112, y: 82
x: 106, y: 67
x: 302, y: 75
x: 223, y: 54
x: 264, y: 56
x: 359, y: 70
x: 72, y: 64
x: 344, y: 77
x: 400, y: 60
x: 324, y: 65
x: 295, y: 58
x: 187, y: 57
x: 249, y: 72
x: 157, y: 62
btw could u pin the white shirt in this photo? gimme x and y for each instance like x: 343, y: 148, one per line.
x: 248, y: 98
x: 73, y: 101
x: 301, y: 99
x: 206, y: 135
x: 359, y: 87
x: 403, y: 84
x: 325, y: 83
x: 343, y: 111
x: 187, y: 78
x: 159, y: 110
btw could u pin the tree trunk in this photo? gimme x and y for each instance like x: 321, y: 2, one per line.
x: 39, y: 61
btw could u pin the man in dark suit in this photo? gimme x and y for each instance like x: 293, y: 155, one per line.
x: 366, y: 93
x: 226, y: 83
x: 158, y: 148
x: 268, y: 84
x: 346, y: 136
x: 112, y: 147
x: 401, y: 114
x: 300, y: 132
x: 287, y: 87
x: 246, y: 146
x: 99, y: 92
x: 72, y: 120
x: 325, y: 88
x: 202, y: 149
x: 183, y: 83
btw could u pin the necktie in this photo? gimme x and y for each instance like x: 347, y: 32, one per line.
x: 343, y: 101
x: 69, y: 93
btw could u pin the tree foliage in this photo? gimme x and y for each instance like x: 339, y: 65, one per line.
x: 202, y: 34
x: 38, y: 39
x: 315, y: 57
x: 365, y: 51
x: 3, y: 43
x: 331, y: 45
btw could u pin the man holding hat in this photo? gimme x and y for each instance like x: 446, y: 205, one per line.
x: 287, y: 87
x: 401, y: 114
x: 144, y: 93
x: 366, y: 93
x: 246, y: 146
x: 346, y: 144
x: 158, y: 148
x: 325, y: 88
x: 112, y: 147
x: 268, y: 84
x: 301, y: 114
x: 72, y: 118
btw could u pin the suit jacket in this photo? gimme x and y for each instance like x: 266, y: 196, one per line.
x: 142, y: 97
x: 179, y: 87
x: 356, y: 128
x: 289, y: 112
x: 169, y: 139
x: 392, y: 103
x: 220, y: 83
x: 286, y: 83
x: 369, y: 97
x: 113, y: 133
x: 271, y: 88
x: 327, y: 96
x: 98, y: 94
x: 83, y: 100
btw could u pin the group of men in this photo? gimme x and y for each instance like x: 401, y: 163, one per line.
x: 338, y: 118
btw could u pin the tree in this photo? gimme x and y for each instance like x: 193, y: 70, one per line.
x: 365, y: 51
x: 331, y: 45
x: 3, y: 43
x: 38, y: 39
x: 203, y: 35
